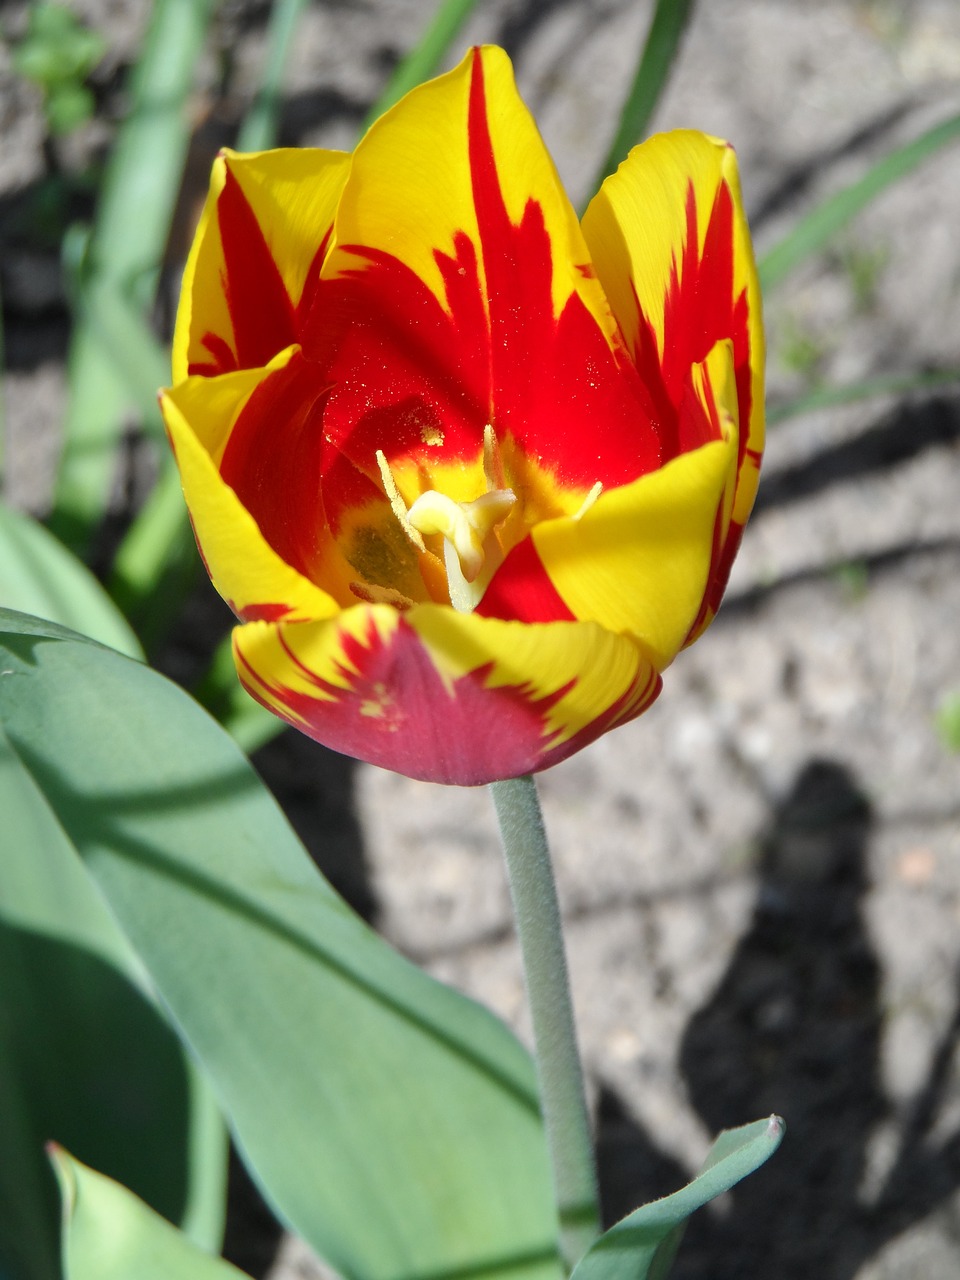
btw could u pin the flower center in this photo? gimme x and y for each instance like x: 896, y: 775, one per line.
x: 472, y: 551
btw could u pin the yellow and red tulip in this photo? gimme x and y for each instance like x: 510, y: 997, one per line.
x: 469, y: 472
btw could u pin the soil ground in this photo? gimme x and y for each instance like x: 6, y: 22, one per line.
x: 761, y: 876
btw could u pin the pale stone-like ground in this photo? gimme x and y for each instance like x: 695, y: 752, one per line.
x: 762, y: 875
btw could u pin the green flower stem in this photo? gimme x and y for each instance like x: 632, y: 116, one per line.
x: 540, y: 932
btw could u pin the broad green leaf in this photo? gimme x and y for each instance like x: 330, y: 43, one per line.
x: 87, y: 1057
x: 39, y: 575
x: 109, y: 1234
x: 392, y: 1122
x: 812, y: 232
x: 642, y: 1246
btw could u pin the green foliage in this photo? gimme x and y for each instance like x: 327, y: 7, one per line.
x: 38, y: 575
x: 814, y: 231
x: 798, y: 349
x: 58, y: 53
x: 643, y: 1245
x: 948, y: 721
x: 425, y: 57
x: 109, y: 1234
x: 869, y: 388
x: 392, y: 1122
x: 863, y: 266
x: 133, y: 222
x: 87, y: 1057
x: 659, y: 53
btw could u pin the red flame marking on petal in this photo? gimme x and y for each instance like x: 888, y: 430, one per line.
x: 260, y: 308
x: 522, y: 590
x: 397, y: 712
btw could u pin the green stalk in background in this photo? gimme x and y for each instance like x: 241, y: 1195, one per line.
x: 133, y: 219
x: 660, y: 49
x: 540, y: 932
x: 812, y: 232
x: 154, y: 565
x: 260, y: 125
x: 425, y: 57
x: 869, y: 389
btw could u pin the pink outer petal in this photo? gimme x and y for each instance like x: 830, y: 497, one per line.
x: 389, y: 704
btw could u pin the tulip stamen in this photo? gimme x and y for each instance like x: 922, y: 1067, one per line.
x: 471, y: 547
x: 589, y: 500
x: 370, y: 593
x: 492, y: 461
x: 397, y: 504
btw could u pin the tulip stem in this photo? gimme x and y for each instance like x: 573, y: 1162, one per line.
x: 540, y: 931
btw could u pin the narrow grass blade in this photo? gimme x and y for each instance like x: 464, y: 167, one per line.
x: 422, y: 61
x: 260, y: 126
x: 157, y: 561
x: 140, y: 360
x: 659, y: 52
x: 133, y: 218
x: 869, y: 389
x: 813, y: 232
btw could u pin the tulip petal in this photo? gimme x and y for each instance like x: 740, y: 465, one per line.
x: 446, y: 697
x: 680, y: 284
x: 639, y: 560
x: 254, y: 580
x: 256, y: 258
x: 459, y: 292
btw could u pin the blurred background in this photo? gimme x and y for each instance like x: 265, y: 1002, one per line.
x: 762, y: 875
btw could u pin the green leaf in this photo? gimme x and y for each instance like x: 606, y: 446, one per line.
x: 392, y: 1122
x: 948, y: 721
x: 426, y: 55
x: 660, y: 50
x: 133, y: 224
x: 57, y: 49
x: 39, y: 575
x: 156, y: 564
x: 870, y: 388
x: 812, y: 232
x: 87, y: 1057
x: 642, y: 1246
x: 259, y: 129
x: 109, y: 1234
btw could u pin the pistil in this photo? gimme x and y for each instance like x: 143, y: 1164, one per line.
x: 471, y: 548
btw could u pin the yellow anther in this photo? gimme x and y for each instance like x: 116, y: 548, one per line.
x: 471, y: 548
x: 397, y: 504
x: 492, y: 462
x: 589, y: 500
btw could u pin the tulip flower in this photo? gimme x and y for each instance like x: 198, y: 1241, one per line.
x: 469, y: 472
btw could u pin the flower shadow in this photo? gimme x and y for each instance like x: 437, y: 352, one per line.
x: 794, y: 1027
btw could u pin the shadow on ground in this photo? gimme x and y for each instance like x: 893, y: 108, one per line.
x: 794, y: 1028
